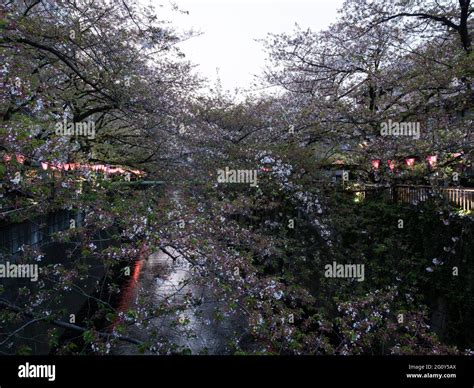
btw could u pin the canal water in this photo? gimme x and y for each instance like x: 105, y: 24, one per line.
x: 164, y: 281
x: 158, y: 279
x: 38, y: 232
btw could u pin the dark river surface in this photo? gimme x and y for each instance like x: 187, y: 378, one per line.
x: 160, y: 279
x: 156, y: 277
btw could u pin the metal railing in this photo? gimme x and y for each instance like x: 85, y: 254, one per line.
x: 459, y: 196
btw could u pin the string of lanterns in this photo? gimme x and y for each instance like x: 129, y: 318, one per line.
x: 410, y: 162
x: 106, y: 169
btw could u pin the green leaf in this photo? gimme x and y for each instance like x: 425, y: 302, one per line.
x: 88, y: 336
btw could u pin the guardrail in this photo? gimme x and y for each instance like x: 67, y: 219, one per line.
x: 458, y: 196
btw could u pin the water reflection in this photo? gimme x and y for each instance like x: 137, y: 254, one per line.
x: 163, y: 281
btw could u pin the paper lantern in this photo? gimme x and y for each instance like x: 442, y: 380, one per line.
x: 410, y: 162
x: 391, y: 164
x: 432, y: 159
x: 376, y: 163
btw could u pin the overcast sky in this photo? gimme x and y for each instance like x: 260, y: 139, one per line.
x: 230, y: 28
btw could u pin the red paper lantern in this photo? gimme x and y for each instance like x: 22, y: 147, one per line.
x: 410, y: 162
x: 376, y: 163
x: 432, y: 159
x: 391, y: 164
